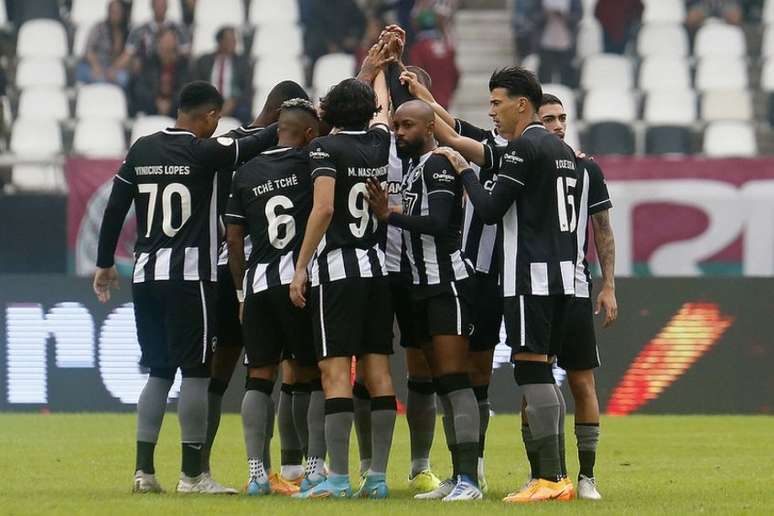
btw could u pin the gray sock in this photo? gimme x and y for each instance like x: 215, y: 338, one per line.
x: 214, y: 409
x: 562, y: 411
x: 483, y: 417
x: 361, y: 401
x: 192, y: 410
x: 448, y: 430
x: 533, y: 454
x: 543, y: 415
x: 290, y: 446
x: 316, y: 421
x: 268, y: 433
x: 255, y: 411
x: 300, y: 411
x: 467, y: 428
x: 384, y: 409
x: 587, y: 435
x: 338, y: 427
x: 151, y: 407
x: 420, y: 416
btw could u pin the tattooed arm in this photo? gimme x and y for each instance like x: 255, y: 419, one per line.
x: 605, y: 244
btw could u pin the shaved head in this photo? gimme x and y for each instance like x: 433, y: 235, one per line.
x: 417, y: 109
x: 414, y: 123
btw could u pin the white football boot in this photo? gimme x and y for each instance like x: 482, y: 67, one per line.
x: 587, y: 488
x: 203, y: 484
x: 464, y: 491
x: 146, y: 483
x: 443, y: 490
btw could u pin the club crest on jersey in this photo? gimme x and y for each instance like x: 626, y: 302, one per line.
x: 225, y: 141
x: 512, y: 158
x: 318, y: 153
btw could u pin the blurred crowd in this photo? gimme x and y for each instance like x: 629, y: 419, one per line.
x: 549, y: 28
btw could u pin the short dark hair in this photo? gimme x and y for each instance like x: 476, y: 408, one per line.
x: 200, y: 94
x: 519, y: 82
x: 300, y: 104
x: 222, y: 33
x: 350, y: 104
x: 281, y: 92
x: 422, y: 76
x: 550, y: 99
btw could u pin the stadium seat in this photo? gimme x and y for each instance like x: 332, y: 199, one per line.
x: 95, y: 138
x: 105, y: 101
x: 218, y: 13
x: 609, y: 105
x: 88, y: 12
x: 33, y: 138
x: 143, y: 13
x: 589, y: 38
x: 3, y: 15
x: 721, y: 73
x: 38, y: 178
x: 226, y: 124
x: 718, y: 40
x: 662, y: 39
x: 768, y: 12
x: 34, y: 71
x: 767, y: 46
x: 607, y: 71
x: 671, y: 108
x: 588, y: 8
x: 567, y: 96
x: 81, y: 39
x: 145, y: 125
x: 730, y: 139
x: 767, y: 75
x: 669, y: 11
x: 265, y: 12
x: 42, y: 38
x: 609, y: 138
x: 721, y: 105
x: 331, y: 69
x: 277, y: 41
x: 204, y: 40
x: 661, y: 73
x: 661, y: 140
x: 44, y: 102
x: 267, y: 72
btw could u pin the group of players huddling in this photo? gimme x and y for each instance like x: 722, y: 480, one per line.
x: 340, y: 219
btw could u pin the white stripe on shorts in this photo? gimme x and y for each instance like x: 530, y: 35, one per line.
x: 459, y: 311
x: 204, y: 320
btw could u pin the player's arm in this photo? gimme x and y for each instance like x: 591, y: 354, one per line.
x: 382, y: 100
x: 121, y: 197
x: 319, y: 220
x: 490, y: 206
x: 472, y: 150
x: 226, y: 153
x: 599, y: 210
x: 418, y: 90
x: 236, y: 224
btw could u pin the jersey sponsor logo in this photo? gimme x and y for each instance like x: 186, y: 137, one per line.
x: 444, y: 176
x: 225, y: 141
x: 490, y: 183
x: 319, y: 154
x: 512, y: 158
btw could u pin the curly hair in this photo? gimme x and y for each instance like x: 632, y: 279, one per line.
x: 300, y: 104
x: 351, y: 104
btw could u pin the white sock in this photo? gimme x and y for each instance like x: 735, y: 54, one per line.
x: 314, y: 466
x: 418, y: 466
x: 292, y: 471
x: 257, y: 470
x: 481, y: 466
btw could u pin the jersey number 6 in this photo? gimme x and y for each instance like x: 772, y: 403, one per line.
x: 277, y: 221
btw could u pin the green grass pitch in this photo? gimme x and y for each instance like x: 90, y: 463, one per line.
x: 83, y: 464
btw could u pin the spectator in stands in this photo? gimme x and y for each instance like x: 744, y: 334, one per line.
x: 143, y: 40
x: 20, y: 11
x: 699, y: 10
x: 189, y: 7
x: 620, y: 20
x: 558, y: 36
x: 332, y: 26
x: 526, y: 20
x: 230, y: 73
x: 434, y: 51
x: 158, y: 85
x: 102, y: 62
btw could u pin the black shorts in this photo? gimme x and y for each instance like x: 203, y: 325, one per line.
x: 487, y: 303
x: 352, y: 317
x: 400, y: 292
x: 442, y: 310
x: 175, y: 322
x: 579, y: 345
x: 229, y: 330
x: 536, y: 324
x: 275, y: 330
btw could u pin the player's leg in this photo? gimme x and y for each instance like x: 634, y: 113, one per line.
x: 300, y: 400
x: 361, y: 400
x: 529, y: 322
x: 190, y: 325
x: 291, y: 449
x: 420, y: 416
x: 579, y: 357
x: 228, y: 348
x: 152, y: 402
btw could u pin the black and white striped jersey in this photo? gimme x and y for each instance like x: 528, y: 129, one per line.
x: 594, y: 198
x: 224, y: 189
x: 432, y: 222
x: 171, y: 178
x: 534, y: 198
x: 352, y: 245
x: 394, y: 258
x: 478, y: 238
x: 272, y: 195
